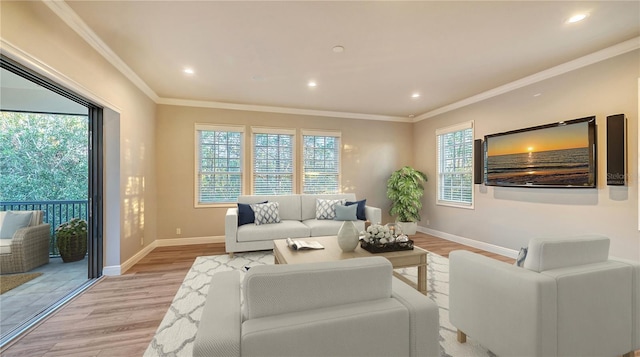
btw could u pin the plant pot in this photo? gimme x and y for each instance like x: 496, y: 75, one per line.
x: 72, y: 248
x: 408, y: 228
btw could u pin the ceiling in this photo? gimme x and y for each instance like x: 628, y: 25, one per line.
x: 264, y: 53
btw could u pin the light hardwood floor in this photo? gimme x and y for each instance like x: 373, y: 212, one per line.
x: 119, y: 315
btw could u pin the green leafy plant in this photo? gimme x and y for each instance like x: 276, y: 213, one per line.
x: 71, y: 239
x: 405, y: 189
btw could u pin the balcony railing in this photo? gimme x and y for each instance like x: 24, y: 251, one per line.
x: 55, y: 213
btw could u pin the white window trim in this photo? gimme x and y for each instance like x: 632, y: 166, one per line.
x: 447, y: 130
x: 266, y: 130
x: 315, y: 132
x: 196, y: 146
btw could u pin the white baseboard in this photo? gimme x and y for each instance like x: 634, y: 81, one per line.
x: 171, y: 242
x: 112, y: 270
x: 470, y: 242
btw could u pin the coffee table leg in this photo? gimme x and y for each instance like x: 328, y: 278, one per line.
x: 422, y: 275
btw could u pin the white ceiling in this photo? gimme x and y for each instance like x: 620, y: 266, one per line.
x: 263, y: 53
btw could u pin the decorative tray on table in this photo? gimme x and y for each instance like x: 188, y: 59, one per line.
x: 386, y: 247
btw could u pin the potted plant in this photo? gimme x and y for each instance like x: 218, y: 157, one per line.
x: 71, y: 239
x: 405, y: 190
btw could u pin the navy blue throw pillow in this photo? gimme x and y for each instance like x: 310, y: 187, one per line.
x: 246, y: 214
x: 360, y: 210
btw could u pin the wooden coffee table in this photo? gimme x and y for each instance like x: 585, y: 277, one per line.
x: 332, y: 252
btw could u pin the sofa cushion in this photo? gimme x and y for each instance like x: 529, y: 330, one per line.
x: 13, y: 221
x: 267, y: 213
x: 289, y: 204
x: 323, y: 227
x: 346, y: 213
x: 5, y: 246
x: 265, y: 232
x: 380, y: 327
x: 552, y: 253
x: 326, y: 209
x: 308, y: 202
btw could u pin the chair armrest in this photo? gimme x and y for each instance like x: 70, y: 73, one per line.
x: 31, y: 239
x: 489, y: 300
x: 219, y: 330
x: 424, y: 332
x: 373, y: 214
x: 636, y: 299
x: 584, y: 297
x: 231, y: 226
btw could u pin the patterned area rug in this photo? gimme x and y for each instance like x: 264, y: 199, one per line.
x: 177, y: 331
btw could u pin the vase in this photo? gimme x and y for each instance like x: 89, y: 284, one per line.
x: 408, y: 228
x: 348, y: 236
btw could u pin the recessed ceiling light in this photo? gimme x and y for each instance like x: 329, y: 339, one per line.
x: 415, y: 95
x: 576, y: 18
x: 338, y: 49
x: 537, y: 94
x: 189, y: 71
x: 312, y: 84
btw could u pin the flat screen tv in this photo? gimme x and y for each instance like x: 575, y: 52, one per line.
x: 554, y: 155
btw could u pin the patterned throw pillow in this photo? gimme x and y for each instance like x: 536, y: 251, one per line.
x: 267, y: 213
x: 522, y: 255
x: 326, y: 209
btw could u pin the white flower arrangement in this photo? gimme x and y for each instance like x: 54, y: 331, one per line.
x: 377, y: 232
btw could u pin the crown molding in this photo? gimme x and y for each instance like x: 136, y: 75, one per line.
x: 64, y: 11
x: 282, y: 110
x: 609, y: 52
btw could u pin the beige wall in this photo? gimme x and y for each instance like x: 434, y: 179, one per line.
x: 40, y: 35
x: 371, y: 151
x: 509, y: 217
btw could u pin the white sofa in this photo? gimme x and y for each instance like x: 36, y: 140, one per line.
x: 353, y: 307
x: 568, y: 299
x: 298, y: 215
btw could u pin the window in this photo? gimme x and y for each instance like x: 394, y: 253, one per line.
x: 273, y: 161
x: 321, y: 162
x: 455, y: 165
x: 218, y: 164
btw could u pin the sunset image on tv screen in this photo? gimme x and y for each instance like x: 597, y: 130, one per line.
x: 558, y: 155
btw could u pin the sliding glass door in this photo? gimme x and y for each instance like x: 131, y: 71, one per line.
x: 50, y: 162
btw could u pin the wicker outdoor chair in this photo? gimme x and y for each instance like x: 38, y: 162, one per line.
x: 29, y: 247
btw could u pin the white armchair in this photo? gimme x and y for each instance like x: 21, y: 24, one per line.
x: 569, y: 299
x: 352, y: 307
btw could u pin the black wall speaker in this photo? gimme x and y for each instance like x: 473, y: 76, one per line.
x: 616, y: 145
x: 478, y: 167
